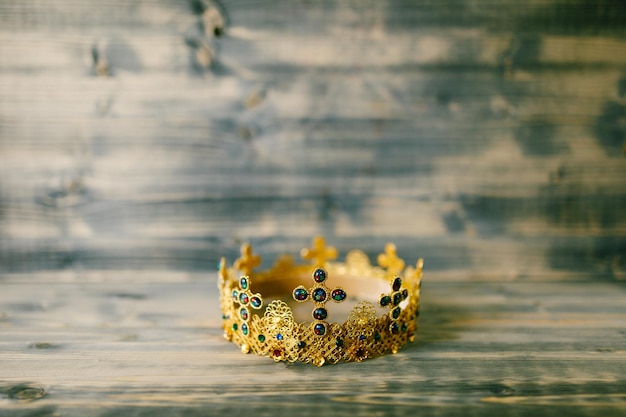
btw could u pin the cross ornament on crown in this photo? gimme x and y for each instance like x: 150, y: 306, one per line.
x: 390, y: 260
x: 271, y: 330
x: 248, y: 261
x: 319, y: 253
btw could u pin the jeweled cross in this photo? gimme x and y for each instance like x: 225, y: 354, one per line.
x: 393, y: 300
x: 319, y: 253
x: 390, y: 261
x: 247, y: 262
x: 246, y: 299
x: 319, y: 293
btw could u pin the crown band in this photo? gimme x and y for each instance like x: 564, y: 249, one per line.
x: 381, y: 303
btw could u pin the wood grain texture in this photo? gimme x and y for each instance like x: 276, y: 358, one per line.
x: 488, y: 137
x: 483, y: 348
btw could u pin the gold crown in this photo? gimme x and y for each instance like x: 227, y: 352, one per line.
x: 366, y: 333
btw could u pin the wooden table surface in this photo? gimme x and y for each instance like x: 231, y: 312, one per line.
x: 110, y: 346
x: 141, y: 141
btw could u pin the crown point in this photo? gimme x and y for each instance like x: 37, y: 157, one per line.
x: 223, y: 273
x: 248, y: 261
x: 390, y: 260
x: 319, y: 253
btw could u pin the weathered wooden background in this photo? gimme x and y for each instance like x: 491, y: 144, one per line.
x: 137, y: 147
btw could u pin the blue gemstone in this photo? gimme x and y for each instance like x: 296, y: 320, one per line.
x: 243, y: 298
x: 279, y: 336
x: 320, y: 313
x: 319, y: 275
x: 319, y: 295
x: 396, y: 313
x: 243, y: 313
x: 300, y: 294
x: 319, y: 329
x: 362, y: 337
x: 244, y: 329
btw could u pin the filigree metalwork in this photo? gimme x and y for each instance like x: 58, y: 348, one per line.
x: 365, y: 334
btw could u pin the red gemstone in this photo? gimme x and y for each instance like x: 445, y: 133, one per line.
x: 277, y: 353
x: 243, y: 298
x: 360, y: 354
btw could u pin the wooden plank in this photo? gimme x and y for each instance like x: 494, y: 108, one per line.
x: 490, y: 347
x: 485, y: 136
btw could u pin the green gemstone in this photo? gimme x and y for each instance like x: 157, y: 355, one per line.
x: 261, y: 338
x: 243, y: 282
x: 377, y: 337
x: 339, y: 342
x: 385, y: 300
x: 404, y: 327
x: 235, y: 326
